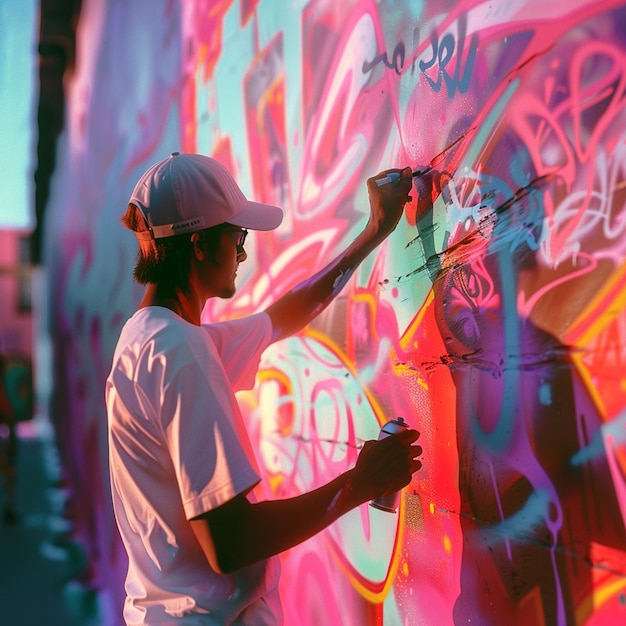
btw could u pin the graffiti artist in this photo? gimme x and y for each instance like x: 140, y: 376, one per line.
x: 201, y: 549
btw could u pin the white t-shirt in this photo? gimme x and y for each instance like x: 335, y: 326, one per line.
x: 178, y: 447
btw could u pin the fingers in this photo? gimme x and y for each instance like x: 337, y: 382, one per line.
x: 408, y: 439
x: 405, y: 439
x: 388, y: 193
x: 407, y: 173
x: 401, y: 447
x: 388, y: 464
x: 409, y: 434
x: 392, y: 178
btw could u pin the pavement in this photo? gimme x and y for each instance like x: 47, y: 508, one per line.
x: 40, y: 564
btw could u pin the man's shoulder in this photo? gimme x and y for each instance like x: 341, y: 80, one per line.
x: 155, y: 321
x: 255, y: 323
x: 156, y: 332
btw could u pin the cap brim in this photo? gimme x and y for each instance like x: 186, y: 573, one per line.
x: 257, y: 216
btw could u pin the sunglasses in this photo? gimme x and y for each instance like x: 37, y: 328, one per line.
x: 239, y: 237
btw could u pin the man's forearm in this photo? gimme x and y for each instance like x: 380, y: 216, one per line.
x: 304, y: 302
x: 240, y: 533
x: 298, y: 307
x: 245, y: 533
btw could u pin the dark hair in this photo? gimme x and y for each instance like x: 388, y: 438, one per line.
x: 168, y: 260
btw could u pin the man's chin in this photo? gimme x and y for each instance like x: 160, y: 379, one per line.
x: 228, y: 293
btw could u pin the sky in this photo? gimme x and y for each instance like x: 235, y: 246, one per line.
x: 18, y: 111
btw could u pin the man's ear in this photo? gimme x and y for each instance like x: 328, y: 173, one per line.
x: 197, y: 243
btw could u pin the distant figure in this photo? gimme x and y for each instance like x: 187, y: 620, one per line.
x: 8, y: 448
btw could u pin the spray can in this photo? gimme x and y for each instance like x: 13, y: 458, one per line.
x: 390, y: 502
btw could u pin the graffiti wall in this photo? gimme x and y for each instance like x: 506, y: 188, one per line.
x: 492, y: 319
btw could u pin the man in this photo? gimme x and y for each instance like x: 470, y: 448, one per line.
x: 201, y: 550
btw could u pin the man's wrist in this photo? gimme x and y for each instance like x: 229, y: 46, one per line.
x: 342, y: 501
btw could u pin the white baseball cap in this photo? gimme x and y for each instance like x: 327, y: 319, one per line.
x: 188, y: 192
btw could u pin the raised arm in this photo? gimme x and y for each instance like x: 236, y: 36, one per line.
x: 240, y: 533
x: 295, y: 309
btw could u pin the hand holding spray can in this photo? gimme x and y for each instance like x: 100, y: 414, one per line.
x: 390, y: 502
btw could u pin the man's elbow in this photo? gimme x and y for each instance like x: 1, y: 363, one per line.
x: 220, y: 553
x: 225, y: 564
x: 202, y: 532
x: 226, y: 561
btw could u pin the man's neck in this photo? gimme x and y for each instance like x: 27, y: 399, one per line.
x: 186, y: 305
